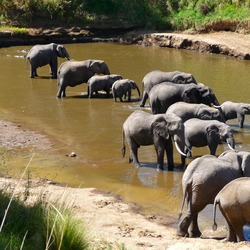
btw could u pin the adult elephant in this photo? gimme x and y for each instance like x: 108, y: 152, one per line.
x: 97, y: 83
x: 123, y: 88
x: 157, y: 76
x: 203, y: 179
x: 73, y: 73
x: 41, y: 55
x: 234, y: 204
x: 232, y: 110
x: 163, y: 95
x: 142, y: 129
x: 195, y: 110
x: 211, y: 133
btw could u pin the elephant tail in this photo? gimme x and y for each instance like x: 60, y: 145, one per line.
x: 182, y: 205
x: 123, y: 144
x: 216, y: 201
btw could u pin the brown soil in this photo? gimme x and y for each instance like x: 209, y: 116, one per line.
x: 108, y: 218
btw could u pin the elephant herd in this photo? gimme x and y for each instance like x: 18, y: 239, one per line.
x: 182, y: 111
x: 72, y: 73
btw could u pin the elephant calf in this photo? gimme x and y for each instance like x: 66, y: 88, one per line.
x: 96, y: 83
x: 234, y: 203
x: 41, y: 55
x: 122, y: 88
x: 232, y: 110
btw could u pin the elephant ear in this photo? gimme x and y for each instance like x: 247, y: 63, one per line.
x: 160, y: 127
x: 59, y: 50
x: 204, y: 114
x: 190, y: 95
x: 178, y: 79
x: 245, y: 164
x: 94, y: 65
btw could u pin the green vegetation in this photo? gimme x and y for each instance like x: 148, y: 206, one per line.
x: 43, y: 226
x: 155, y: 14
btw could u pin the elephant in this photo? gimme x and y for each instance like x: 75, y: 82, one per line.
x: 234, y: 204
x: 142, y: 129
x: 232, y: 110
x: 204, y: 177
x: 200, y: 133
x: 41, y: 55
x: 163, y: 95
x: 123, y: 88
x: 157, y: 76
x: 73, y: 73
x: 104, y: 82
x: 195, y: 110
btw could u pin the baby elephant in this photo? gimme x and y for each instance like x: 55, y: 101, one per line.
x: 234, y: 203
x: 232, y: 110
x: 96, y: 83
x: 122, y: 88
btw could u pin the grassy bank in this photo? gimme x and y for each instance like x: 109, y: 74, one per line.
x: 201, y: 15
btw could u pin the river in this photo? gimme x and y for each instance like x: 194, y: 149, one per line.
x: 92, y: 127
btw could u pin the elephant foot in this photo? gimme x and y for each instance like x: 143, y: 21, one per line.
x: 195, y: 234
x: 182, y: 233
x: 142, y: 105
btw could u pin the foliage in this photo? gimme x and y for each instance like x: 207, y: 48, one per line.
x: 164, y: 14
x: 43, y: 226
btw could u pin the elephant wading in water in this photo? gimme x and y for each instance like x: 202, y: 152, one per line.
x: 163, y: 95
x: 96, y: 83
x: 73, y: 73
x: 232, y: 110
x: 142, y: 129
x: 156, y: 76
x: 203, y: 179
x: 122, y: 88
x: 201, y: 111
x: 234, y: 204
x: 211, y: 133
x: 41, y: 55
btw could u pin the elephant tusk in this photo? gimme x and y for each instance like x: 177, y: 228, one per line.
x: 230, y: 147
x: 216, y: 106
x: 178, y: 149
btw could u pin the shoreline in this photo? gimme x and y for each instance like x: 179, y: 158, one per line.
x: 224, y: 42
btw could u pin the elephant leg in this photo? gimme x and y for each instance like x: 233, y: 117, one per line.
x: 184, y: 225
x: 129, y: 95
x: 33, y: 72
x: 170, y: 154
x: 120, y: 99
x: 241, y: 119
x: 194, y: 230
x: 144, y: 99
x: 237, y: 225
x: 133, y: 153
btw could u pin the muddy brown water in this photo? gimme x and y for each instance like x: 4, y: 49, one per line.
x: 92, y: 127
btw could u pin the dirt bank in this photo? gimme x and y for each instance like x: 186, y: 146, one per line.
x: 227, y: 43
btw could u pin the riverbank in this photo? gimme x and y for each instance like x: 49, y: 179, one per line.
x: 226, y: 43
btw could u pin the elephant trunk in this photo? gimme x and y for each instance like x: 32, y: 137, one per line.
x: 138, y: 90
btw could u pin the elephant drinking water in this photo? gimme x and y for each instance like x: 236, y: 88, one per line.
x: 157, y: 76
x: 142, y: 129
x: 73, y: 73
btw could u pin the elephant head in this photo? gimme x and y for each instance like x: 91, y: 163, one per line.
x: 207, y: 96
x: 99, y: 67
x: 171, y: 126
x: 62, y: 52
x: 183, y: 78
x: 133, y: 85
x: 223, y: 133
x: 205, y: 112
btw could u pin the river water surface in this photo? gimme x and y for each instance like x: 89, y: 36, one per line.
x: 92, y: 127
